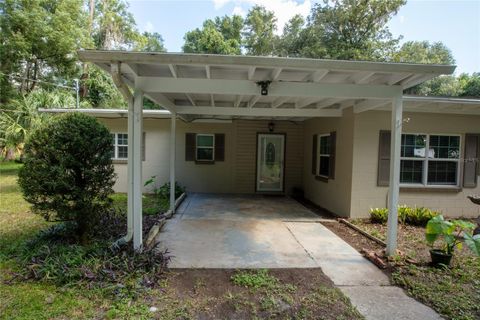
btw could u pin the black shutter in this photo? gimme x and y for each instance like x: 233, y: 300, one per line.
x: 219, y: 147
x: 314, y: 154
x: 383, y: 177
x: 143, y: 147
x: 470, y: 169
x: 190, y: 145
x: 333, y: 151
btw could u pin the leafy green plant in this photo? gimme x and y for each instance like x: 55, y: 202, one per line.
x: 420, y: 216
x: 403, y: 213
x: 417, y: 216
x: 450, y: 232
x: 164, y: 190
x: 379, y: 215
x: 254, y: 279
x: 68, y: 173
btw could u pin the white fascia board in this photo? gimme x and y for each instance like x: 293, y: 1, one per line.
x: 257, y: 112
x: 452, y: 100
x: 276, y: 89
x: 369, y: 105
x: 109, y: 113
x: 102, y: 56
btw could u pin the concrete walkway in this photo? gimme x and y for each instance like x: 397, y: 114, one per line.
x: 241, y: 232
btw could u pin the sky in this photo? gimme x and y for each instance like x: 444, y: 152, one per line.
x: 454, y: 22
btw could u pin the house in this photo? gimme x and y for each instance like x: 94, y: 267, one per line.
x: 278, y: 125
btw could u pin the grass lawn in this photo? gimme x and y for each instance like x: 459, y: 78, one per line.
x: 179, y: 294
x: 454, y: 292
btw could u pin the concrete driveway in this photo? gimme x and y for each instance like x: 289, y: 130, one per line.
x: 253, y: 231
x: 246, y: 231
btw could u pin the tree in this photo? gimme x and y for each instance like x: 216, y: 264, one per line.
x: 20, y: 117
x: 115, y: 27
x: 439, y: 86
x: 470, y: 84
x: 291, y: 41
x: 39, y: 39
x: 219, y: 36
x: 259, y: 32
x: 424, y: 52
x: 68, y: 173
x: 101, y: 91
x: 351, y: 30
x: 150, y: 42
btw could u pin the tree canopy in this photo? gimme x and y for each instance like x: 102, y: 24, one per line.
x: 351, y: 30
x: 338, y: 29
x: 259, y: 32
x: 219, y: 36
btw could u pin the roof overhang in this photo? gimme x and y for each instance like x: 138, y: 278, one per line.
x: 111, y: 113
x: 203, y: 85
x: 411, y: 103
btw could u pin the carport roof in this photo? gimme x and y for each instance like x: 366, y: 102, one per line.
x: 204, y: 85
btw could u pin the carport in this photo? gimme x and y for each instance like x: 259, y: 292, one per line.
x: 243, y: 87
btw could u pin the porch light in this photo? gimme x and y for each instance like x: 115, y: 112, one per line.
x: 264, y: 85
x: 271, y: 126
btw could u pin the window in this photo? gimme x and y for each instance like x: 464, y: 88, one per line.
x: 429, y: 160
x: 324, y: 152
x: 205, y: 147
x: 120, y: 146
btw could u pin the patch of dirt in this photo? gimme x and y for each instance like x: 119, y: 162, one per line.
x: 211, y: 294
x: 352, y: 237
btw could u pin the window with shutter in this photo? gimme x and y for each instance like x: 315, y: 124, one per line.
x: 425, y: 160
x: 204, y: 148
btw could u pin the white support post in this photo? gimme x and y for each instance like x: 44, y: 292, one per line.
x: 136, y: 151
x: 394, y: 186
x: 130, y: 201
x: 172, y: 161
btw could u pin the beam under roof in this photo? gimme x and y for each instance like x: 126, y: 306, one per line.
x: 276, y: 89
x: 258, y: 112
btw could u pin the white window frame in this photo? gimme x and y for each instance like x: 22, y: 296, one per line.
x: 319, y: 155
x: 116, y: 145
x: 204, y: 147
x: 426, y: 159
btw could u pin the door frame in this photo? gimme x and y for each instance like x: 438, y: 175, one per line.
x: 283, y: 166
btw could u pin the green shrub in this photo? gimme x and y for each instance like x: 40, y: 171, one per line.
x: 68, y: 173
x: 379, y: 215
x: 164, y: 190
x: 418, y: 216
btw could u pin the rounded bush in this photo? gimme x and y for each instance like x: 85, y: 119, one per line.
x: 68, y: 174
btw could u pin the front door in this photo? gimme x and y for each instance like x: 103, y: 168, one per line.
x: 270, y: 162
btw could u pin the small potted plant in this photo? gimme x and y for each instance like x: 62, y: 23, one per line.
x: 450, y: 233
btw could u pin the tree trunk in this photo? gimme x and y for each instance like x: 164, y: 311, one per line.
x: 84, y: 77
x: 35, y: 71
